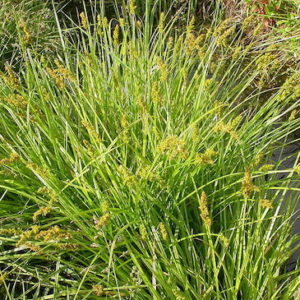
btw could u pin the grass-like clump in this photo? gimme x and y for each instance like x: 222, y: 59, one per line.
x: 138, y: 164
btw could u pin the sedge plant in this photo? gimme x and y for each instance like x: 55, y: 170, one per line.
x: 138, y: 165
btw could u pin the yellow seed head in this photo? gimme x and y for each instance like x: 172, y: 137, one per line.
x: 51, y: 194
x: 200, y: 40
x: 195, y: 132
x: 224, y: 239
x: 235, y: 121
x: 161, y: 24
x: 247, y: 22
x: 124, y: 121
x: 143, y: 232
x: 116, y: 34
x: 223, y: 27
x: 147, y: 173
x: 163, y: 68
x: 3, y: 276
x: 102, y: 21
x: 121, y: 22
x: 11, y: 78
x: 138, y: 24
x: 247, y: 185
x: 163, y: 231
x: 67, y: 246
x: 38, y: 170
x: 133, y: 50
x: 84, y: 20
x: 142, y: 105
x: 26, y: 235
x: 11, y: 159
x: 265, y: 203
x: 16, y: 101
x: 102, y: 221
x: 89, y: 148
x: 190, y: 43
x: 60, y: 74
x: 125, y: 127
x: 91, y: 131
x: 63, y: 71
x: 223, y: 39
x: 266, y: 168
x: 26, y: 35
x: 204, y: 214
x: 127, y: 177
x: 290, y: 89
x: 257, y: 159
x: 257, y: 29
x: 206, y: 158
x: 226, y: 128
x: 173, y: 146
x: 191, y: 26
x: 43, y: 211
x: 178, y: 295
x: 132, y: 7
x: 237, y: 52
x: 155, y: 93
x: 11, y: 231
x: 105, y: 206
x: 98, y: 290
x: 53, y: 234
x: 219, y: 107
x: 56, y: 77
x: 170, y: 43
x: 32, y: 246
x: 293, y: 115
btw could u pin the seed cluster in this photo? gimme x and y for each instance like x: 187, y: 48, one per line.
x: 173, y: 146
x: 247, y: 186
x: 203, y: 207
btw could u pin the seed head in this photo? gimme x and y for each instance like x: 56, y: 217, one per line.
x: 204, y: 214
x: 121, y: 22
x: 178, y: 295
x: 98, y: 290
x: 227, y: 128
x: 105, y: 207
x: 173, y: 147
x: 43, y: 211
x: 127, y: 176
x: 163, y: 68
x: 266, y: 168
x: 293, y: 115
x: 3, y: 276
x: 102, y: 221
x: 26, y: 235
x: 163, y: 231
x: 116, y: 34
x: 247, y: 186
x: 206, y: 158
x: 143, y: 232
x: 265, y: 203
x: 84, y: 20
x: 132, y: 7
x: 161, y: 22
x: 91, y: 131
x: 53, y: 234
x: 11, y: 78
x: 11, y: 159
x: 156, y: 93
